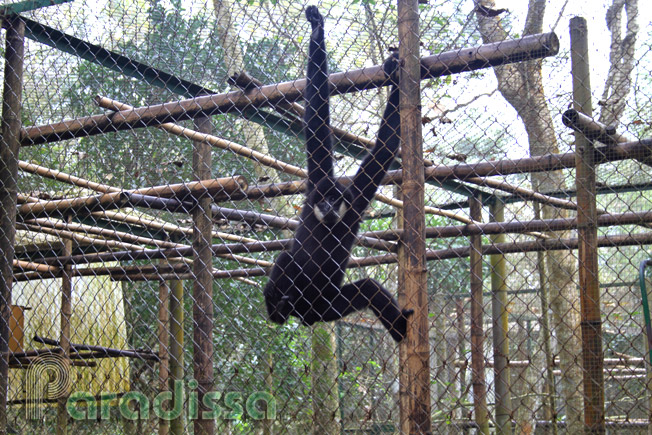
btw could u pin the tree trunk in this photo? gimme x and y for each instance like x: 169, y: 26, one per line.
x: 522, y: 86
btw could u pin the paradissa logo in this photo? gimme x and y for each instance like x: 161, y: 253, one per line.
x: 168, y: 406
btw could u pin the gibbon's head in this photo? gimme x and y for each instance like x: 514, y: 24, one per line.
x: 330, y: 201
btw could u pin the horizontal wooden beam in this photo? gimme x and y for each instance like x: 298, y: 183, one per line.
x: 451, y: 62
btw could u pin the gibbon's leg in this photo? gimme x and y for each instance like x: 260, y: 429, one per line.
x: 280, y: 290
x: 369, y: 293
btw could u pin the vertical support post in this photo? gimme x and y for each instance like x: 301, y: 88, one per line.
x: 587, y: 233
x: 550, y: 410
x: 477, y: 333
x: 9, y: 145
x: 163, y: 346
x: 500, y: 326
x: 325, y: 398
x: 176, y: 350
x: 414, y: 351
x: 65, y: 338
x: 461, y: 352
x: 202, y: 309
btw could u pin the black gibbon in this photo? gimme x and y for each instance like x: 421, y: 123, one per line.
x: 306, y: 281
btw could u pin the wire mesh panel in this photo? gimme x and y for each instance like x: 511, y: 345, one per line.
x: 202, y: 234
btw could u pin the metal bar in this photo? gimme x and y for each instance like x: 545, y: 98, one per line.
x: 29, y: 5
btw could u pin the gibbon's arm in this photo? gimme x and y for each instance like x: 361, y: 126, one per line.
x: 319, y: 143
x: 374, y: 167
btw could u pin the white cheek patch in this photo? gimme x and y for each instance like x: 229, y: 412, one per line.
x: 318, y: 214
x: 343, y: 208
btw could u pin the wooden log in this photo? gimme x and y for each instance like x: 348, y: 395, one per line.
x: 391, y: 258
x: 559, y: 224
x: 414, y: 350
x: 65, y: 334
x: 218, y: 189
x: 500, y: 328
x: 592, y: 129
x: 100, y: 349
x: 481, y: 412
x: 10, y: 128
x: 215, y: 141
x: 176, y: 347
x: 587, y: 231
x: 202, y: 284
x: 80, y: 205
x: 467, y: 59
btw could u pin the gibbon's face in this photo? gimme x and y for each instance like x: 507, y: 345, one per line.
x: 330, y: 202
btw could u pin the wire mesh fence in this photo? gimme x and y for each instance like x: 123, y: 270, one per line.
x: 155, y: 164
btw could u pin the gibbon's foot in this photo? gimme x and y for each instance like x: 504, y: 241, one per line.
x: 313, y: 16
x: 390, y: 67
x: 399, y: 328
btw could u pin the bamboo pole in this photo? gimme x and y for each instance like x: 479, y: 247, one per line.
x: 523, y: 192
x: 592, y: 353
x: 592, y: 129
x: 83, y: 204
x: 77, y: 348
x: 550, y: 410
x: 276, y: 245
x: 477, y: 334
x: 219, y: 189
x: 202, y: 292
x: 490, y: 228
x: 65, y: 178
x: 215, y: 274
x: 164, y: 347
x: 468, y: 59
x: 500, y: 320
x: 104, y: 232
x: 65, y: 337
x: 145, y: 221
x: 29, y: 265
x: 414, y: 350
x: 461, y: 352
x: 10, y: 127
x: 176, y: 348
x: 215, y: 141
x: 79, y: 238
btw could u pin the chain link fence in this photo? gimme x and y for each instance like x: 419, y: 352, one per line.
x: 153, y: 165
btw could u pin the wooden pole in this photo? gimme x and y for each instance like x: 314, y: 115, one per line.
x: 587, y: 231
x: 500, y: 325
x: 611, y: 241
x: 202, y: 308
x: 461, y: 352
x: 10, y: 126
x: 477, y: 333
x: 414, y: 350
x: 176, y: 349
x: 468, y: 59
x: 550, y: 410
x: 164, y: 347
x: 65, y: 337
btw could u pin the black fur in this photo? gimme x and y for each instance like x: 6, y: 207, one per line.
x: 306, y: 281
